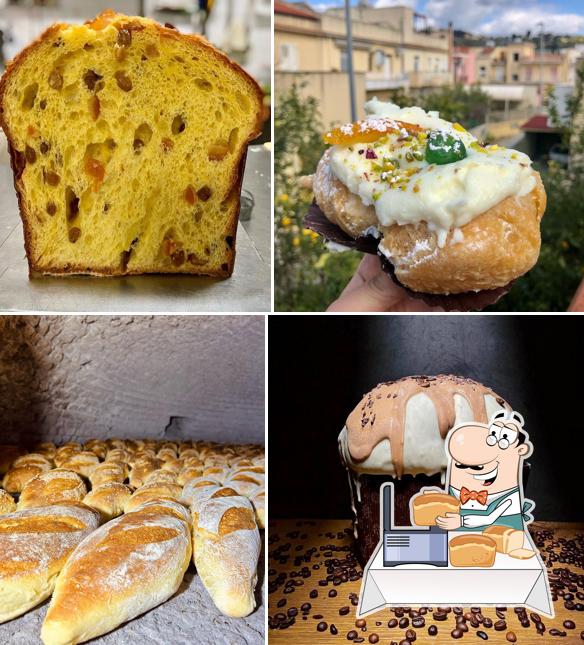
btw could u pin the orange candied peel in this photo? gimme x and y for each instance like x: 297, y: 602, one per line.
x: 368, y: 131
x: 96, y: 171
x: 102, y: 20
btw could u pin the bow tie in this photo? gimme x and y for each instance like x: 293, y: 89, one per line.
x: 480, y: 497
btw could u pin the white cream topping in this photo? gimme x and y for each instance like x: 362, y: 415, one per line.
x: 424, y: 449
x: 444, y: 196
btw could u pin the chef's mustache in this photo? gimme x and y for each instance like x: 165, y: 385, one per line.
x: 469, y: 467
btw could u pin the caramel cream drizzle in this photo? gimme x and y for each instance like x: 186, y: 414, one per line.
x: 381, y: 414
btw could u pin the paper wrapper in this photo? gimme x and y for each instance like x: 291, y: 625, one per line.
x: 367, y: 510
x: 317, y: 221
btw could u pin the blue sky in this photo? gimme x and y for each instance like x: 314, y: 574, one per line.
x: 493, y: 17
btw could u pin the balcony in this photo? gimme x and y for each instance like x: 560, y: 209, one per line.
x: 377, y: 83
x: 429, y: 79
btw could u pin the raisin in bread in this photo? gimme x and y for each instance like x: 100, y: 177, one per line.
x: 128, y: 143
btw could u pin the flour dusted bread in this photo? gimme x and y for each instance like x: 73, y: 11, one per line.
x: 473, y: 550
x: 52, y: 487
x: 109, y: 498
x: 506, y: 539
x: 128, y: 141
x: 7, y: 503
x: 18, y: 476
x: 35, y: 544
x: 428, y: 506
x: 123, y: 569
x: 227, y: 548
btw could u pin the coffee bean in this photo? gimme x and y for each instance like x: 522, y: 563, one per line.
x: 582, y: 635
x: 404, y: 622
x: 352, y: 635
x: 322, y: 627
x: 418, y: 621
x: 334, y: 630
x: 487, y: 622
x: 405, y: 641
x: 510, y: 636
x: 569, y: 624
x: 500, y: 614
x: 475, y: 610
x: 579, y: 606
x: 374, y: 638
x: 378, y: 623
x: 500, y: 625
x: 457, y: 633
x: 474, y: 622
x: 556, y: 632
x: 482, y: 635
x: 359, y: 640
x: 281, y: 602
x: 457, y: 610
x: 343, y: 611
x: 306, y: 606
x: 525, y: 623
x: 439, y: 615
x: 313, y: 593
x: 463, y: 627
x: 540, y: 628
x: 318, y: 616
x: 392, y: 623
x: 332, y: 593
x: 411, y: 635
x: 432, y: 630
x: 292, y: 612
x: 354, y: 601
x: 535, y: 617
x: 501, y: 608
x: 360, y: 622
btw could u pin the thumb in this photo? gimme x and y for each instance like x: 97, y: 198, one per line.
x: 378, y: 293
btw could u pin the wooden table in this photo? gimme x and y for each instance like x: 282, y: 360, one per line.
x: 296, y: 539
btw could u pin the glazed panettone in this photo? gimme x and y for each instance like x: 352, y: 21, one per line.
x: 128, y: 143
x: 396, y: 433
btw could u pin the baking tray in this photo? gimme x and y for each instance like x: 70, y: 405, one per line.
x: 188, y: 617
x: 247, y: 290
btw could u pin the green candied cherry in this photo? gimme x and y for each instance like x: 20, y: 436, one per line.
x: 443, y: 148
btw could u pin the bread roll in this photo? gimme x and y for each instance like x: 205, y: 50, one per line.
x: 227, y: 548
x: 35, y: 544
x: 428, y: 506
x: 245, y: 482
x: 32, y: 458
x: 123, y: 569
x: 52, y: 487
x: 189, y: 490
x: 97, y: 447
x: 17, y: 477
x: 472, y: 550
x: 109, y: 498
x: 186, y: 474
x: 220, y: 473
x: 7, y: 456
x: 173, y: 465
x: 152, y: 491
x: 108, y: 471
x: 63, y: 453
x: 7, y: 503
x: 47, y: 448
x: 161, y: 477
x: 166, y: 506
x: 118, y: 454
x: 142, y: 468
x: 258, y: 499
x: 506, y: 539
x: 83, y: 463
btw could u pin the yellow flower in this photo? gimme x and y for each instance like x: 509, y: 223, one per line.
x: 306, y: 231
x: 295, y: 241
x: 314, y: 235
x: 286, y: 221
x: 283, y: 197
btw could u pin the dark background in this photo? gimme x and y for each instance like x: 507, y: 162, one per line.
x: 320, y: 366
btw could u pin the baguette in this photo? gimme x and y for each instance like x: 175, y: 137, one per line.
x: 7, y: 503
x: 52, y: 487
x: 227, y: 548
x: 35, y: 544
x: 109, y: 499
x: 123, y: 569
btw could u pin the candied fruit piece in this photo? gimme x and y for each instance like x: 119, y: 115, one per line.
x: 368, y: 131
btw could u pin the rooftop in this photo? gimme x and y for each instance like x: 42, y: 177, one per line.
x: 290, y: 10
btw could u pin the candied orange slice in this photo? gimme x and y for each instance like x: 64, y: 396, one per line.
x: 368, y: 131
x: 96, y: 171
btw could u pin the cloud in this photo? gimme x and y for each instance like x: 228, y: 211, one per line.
x: 502, y: 17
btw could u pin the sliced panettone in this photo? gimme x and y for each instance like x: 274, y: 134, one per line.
x: 128, y: 143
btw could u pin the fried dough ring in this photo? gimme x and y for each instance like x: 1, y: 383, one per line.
x: 498, y: 246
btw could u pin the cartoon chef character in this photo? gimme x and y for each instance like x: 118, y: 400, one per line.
x: 485, y: 474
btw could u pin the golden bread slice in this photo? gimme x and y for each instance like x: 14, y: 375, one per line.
x: 128, y: 143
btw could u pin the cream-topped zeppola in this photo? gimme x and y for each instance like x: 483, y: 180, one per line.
x: 396, y: 433
x: 454, y: 215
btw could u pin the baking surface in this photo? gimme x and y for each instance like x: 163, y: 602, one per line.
x: 330, y: 539
x: 188, y: 617
x: 248, y: 289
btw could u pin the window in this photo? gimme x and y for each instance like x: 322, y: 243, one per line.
x: 516, y: 57
x: 288, y: 57
x: 416, y: 63
x: 515, y: 77
x: 482, y: 71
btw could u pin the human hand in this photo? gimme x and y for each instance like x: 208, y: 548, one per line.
x: 371, y: 289
x: 449, y: 521
x: 577, y: 303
